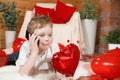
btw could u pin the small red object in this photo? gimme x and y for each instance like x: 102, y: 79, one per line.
x: 78, y: 41
x: 68, y: 41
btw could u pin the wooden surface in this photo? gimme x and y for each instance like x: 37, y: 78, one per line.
x: 2, y: 39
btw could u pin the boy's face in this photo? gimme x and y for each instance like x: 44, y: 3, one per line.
x: 45, y: 36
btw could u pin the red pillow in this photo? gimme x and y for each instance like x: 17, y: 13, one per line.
x: 44, y: 11
x: 64, y: 12
x: 57, y: 20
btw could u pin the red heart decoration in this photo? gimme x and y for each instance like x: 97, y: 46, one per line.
x: 17, y: 44
x: 107, y: 66
x: 3, y: 58
x: 66, y: 61
x: 61, y: 46
x: 115, y: 51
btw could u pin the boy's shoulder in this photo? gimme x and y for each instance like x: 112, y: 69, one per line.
x: 55, y: 46
x: 25, y: 44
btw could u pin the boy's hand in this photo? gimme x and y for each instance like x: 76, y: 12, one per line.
x: 33, y: 40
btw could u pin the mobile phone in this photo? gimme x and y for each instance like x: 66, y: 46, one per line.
x: 27, y: 37
x: 38, y: 41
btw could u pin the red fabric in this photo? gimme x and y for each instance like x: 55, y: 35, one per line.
x: 3, y: 58
x: 57, y: 20
x: 44, y: 11
x: 63, y: 12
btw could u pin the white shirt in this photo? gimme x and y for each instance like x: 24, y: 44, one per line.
x: 43, y: 62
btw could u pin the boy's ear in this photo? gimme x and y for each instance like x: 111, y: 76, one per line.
x: 27, y: 35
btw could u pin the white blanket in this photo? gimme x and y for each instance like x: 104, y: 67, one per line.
x: 11, y: 73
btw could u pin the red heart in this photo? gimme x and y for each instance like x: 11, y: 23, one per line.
x: 115, y: 51
x: 61, y: 46
x: 17, y: 44
x: 3, y: 58
x: 107, y: 66
x: 66, y: 61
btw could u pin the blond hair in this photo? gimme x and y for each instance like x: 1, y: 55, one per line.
x: 38, y: 21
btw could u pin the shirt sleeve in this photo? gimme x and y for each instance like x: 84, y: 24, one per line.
x: 23, y: 55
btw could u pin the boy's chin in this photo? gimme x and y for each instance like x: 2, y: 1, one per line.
x: 45, y: 48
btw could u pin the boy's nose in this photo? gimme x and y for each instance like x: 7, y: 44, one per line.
x: 46, y: 37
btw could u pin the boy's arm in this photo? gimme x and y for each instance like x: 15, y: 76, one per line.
x: 28, y: 68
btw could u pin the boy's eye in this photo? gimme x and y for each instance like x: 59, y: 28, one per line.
x: 41, y: 35
x: 50, y: 35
